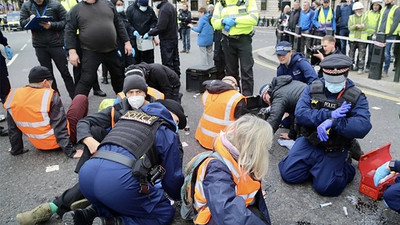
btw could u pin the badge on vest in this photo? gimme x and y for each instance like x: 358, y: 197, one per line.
x: 140, y: 117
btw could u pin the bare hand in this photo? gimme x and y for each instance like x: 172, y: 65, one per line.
x: 156, y: 42
x: 128, y: 48
x: 190, y: 25
x: 45, y: 25
x: 78, y: 153
x: 73, y: 58
x: 319, y: 55
x: 92, y: 144
x: 31, y: 17
x: 284, y: 136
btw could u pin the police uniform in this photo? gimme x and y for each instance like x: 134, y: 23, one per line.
x: 236, y: 39
x: 324, y: 162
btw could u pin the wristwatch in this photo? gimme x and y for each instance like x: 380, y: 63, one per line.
x: 391, y: 165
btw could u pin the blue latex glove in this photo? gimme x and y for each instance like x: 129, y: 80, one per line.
x: 133, y: 53
x: 146, y: 35
x: 229, y: 21
x: 9, y: 52
x: 119, y: 53
x: 381, y: 172
x: 322, y: 130
x: 136, y: 34
x: 341, y: 111
x: 227, y: 28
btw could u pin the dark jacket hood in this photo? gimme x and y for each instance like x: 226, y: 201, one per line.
x: 278, y: 82
x: 157, y: 109
x: 217, y: 86
x: 44, y: 2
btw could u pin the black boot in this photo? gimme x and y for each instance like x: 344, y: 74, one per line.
x: 105, y: 80
x: 79, y: 216
x: 355, y: 150
x: 107, y: 221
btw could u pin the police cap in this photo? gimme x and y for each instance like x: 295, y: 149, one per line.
x: 335, y: 67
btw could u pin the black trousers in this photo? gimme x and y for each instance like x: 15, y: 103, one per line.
x: 45, y: 55
x: 143, y: 56
x: 4, y: 81
x: 219, y: 60
x: 170, y: 55
x: 77, y: 71
x: 90, y: 61
x: 74, y: 194
x: 239, y: 50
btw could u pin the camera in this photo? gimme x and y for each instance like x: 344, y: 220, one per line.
x: 263, y: 113
x: 156, y: 173
x: 315, y: 49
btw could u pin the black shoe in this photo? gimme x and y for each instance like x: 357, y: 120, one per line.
x: 79, y: 216
x: 20, y: 152
x: 105, y: 80
x: 107, y: 221
x: 99, y: 93
x: 355, y: 150
x: 3, y: 131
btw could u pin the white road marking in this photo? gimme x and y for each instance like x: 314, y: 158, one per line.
x: 13, y: 59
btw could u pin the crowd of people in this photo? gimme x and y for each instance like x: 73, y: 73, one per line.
x: 352, y: 20
x: 131, y: 165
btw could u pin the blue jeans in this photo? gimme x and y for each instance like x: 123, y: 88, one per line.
x: 387, y: 52
x: 186, y: 38
x: 343, y: 43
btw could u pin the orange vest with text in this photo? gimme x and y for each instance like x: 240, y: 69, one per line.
x: 219, y: 112
x: 30, y: 107
x: 246, y: 187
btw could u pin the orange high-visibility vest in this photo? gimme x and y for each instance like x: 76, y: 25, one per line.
x: 30, y: 107
x: 246, y: 187
x: 219, y: 112
x: 155, y: 93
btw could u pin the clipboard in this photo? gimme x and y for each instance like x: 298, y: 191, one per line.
x: 33, y: 24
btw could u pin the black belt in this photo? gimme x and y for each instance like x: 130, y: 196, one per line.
x: 116, y: 157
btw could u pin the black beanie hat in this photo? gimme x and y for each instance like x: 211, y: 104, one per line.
x: 134, y: 82
x: 176, y: 108
x: 39, y: 74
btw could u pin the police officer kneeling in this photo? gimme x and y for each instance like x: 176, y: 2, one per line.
x: 331, y: 112
x: 135, y: 163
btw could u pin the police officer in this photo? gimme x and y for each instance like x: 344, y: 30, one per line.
x: 331, y: 112
x: 293, y: 64
x: 236, y: 19
x: 391, y: 196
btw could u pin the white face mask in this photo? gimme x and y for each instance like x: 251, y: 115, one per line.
x: 136, y: 101
x: 119, y: 9
x: 143, y: 8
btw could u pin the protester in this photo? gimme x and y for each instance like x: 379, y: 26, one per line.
x: 372, y: 23
x: 391, y: 196
x: 223, y: 104
x: 142, y: 18
x: 331, y: 112
x: 293, y: 64
x: 235, y: 175
x: 37, y: 111
x: 136, y: 196
x: 282, y: 96
x: 49, y: 40
x: 159, y: 77
x: 92, y: 17
x: 205, y: 38
x: 185, y: 18
x: 167, y: 31
x: 388, y: 23
x: 237, y: 31
x: 4, y: 81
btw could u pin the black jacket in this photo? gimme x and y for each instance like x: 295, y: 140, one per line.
x: 167, y: 26
x: 285, y: 92
x: 294, y: 19
x: 140, y: 21
x: 185, y: 16
x: 53, y: 37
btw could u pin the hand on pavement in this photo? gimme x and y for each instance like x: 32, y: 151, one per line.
x: 322, y: 133
x: 381, y: 173
x: 341, y: 111
x: 78, y: 153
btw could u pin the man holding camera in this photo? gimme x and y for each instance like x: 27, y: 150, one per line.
x: 327, y: 47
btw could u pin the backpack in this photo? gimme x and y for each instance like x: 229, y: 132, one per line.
x: 188, y: 212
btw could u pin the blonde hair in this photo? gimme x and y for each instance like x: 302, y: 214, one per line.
x: 252, y: 136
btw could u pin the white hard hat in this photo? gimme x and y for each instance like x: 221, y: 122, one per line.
x: 377, y: 2
x: 357, y: 5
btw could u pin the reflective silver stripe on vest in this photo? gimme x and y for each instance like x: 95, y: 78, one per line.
x: 199, y: 186
x: 43, y: 110
x: 251, y: 195
x: 207, y: 132
x: 41, y: 136
x: 229, y: 105
x: 10, y: 98
x: 205, y: 95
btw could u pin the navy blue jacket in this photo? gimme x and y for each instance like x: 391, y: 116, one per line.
x: 343, y: 13
x: 355, y: 125
x: 299, y: 68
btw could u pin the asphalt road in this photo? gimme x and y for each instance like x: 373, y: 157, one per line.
x: 24, y: 182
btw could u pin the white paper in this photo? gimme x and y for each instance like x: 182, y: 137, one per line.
x: 52, y: 168
x: 286, y: 143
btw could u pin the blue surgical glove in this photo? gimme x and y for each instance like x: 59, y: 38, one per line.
x: 227, y: 28
x: 133, y: 52
x: 136, y: 34
x: 229, y: 21
x: 322, y: 130
x: 146, y: 35
x: 119, y: 53
x: 341, y: 111
x: 9, y: 52
x: 381, y: 173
